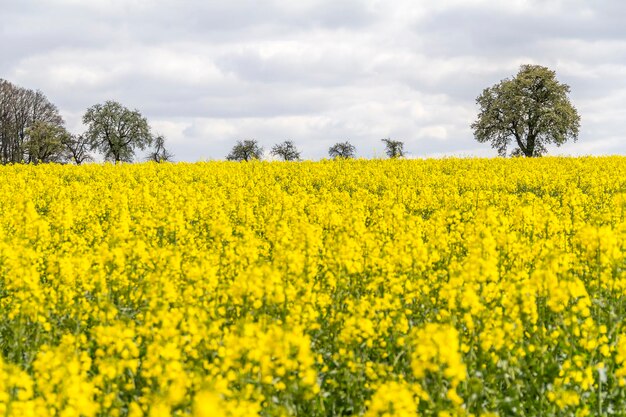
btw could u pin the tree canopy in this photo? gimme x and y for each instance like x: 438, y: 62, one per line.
x: 116, y: 131
x: 529, y: 111
x: 46, y: 143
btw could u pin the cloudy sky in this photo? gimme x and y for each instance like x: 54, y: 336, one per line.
x: 207, y: 73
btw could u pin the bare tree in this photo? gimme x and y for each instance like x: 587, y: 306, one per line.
x: 287, y: 151
x: 77, y: 149
x: 393, y: 148
x: 159, y: 153
x: 246, y: 150
x: 7, y: 92
x: 342, y: 150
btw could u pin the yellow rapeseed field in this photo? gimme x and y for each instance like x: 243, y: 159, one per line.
x: 455, y: 287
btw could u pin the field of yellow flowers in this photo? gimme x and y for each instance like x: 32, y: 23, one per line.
x: 455, y: 287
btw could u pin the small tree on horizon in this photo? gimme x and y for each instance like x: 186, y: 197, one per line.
x: 393, y: 148
x: 287, y: 151
x: 342, y: 150
x: 530, y: 110
x: 245, y: 150
x: 159, y: 153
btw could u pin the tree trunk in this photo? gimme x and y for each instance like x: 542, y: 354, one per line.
x: 530, y: 146
x: 523, y: 148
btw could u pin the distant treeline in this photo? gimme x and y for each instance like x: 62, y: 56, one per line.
x: 33, y: 131
x: 519, y: 116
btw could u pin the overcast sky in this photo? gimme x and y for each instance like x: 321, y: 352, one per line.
x: 207, y: 73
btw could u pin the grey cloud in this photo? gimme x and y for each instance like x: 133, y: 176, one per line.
x: 307, y: 67
x: 75, y: 23
x: 207, y: 73
x: 497, y: 31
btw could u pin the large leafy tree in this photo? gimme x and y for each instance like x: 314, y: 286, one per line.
x: 116, y: 131
x: 528, y: 111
